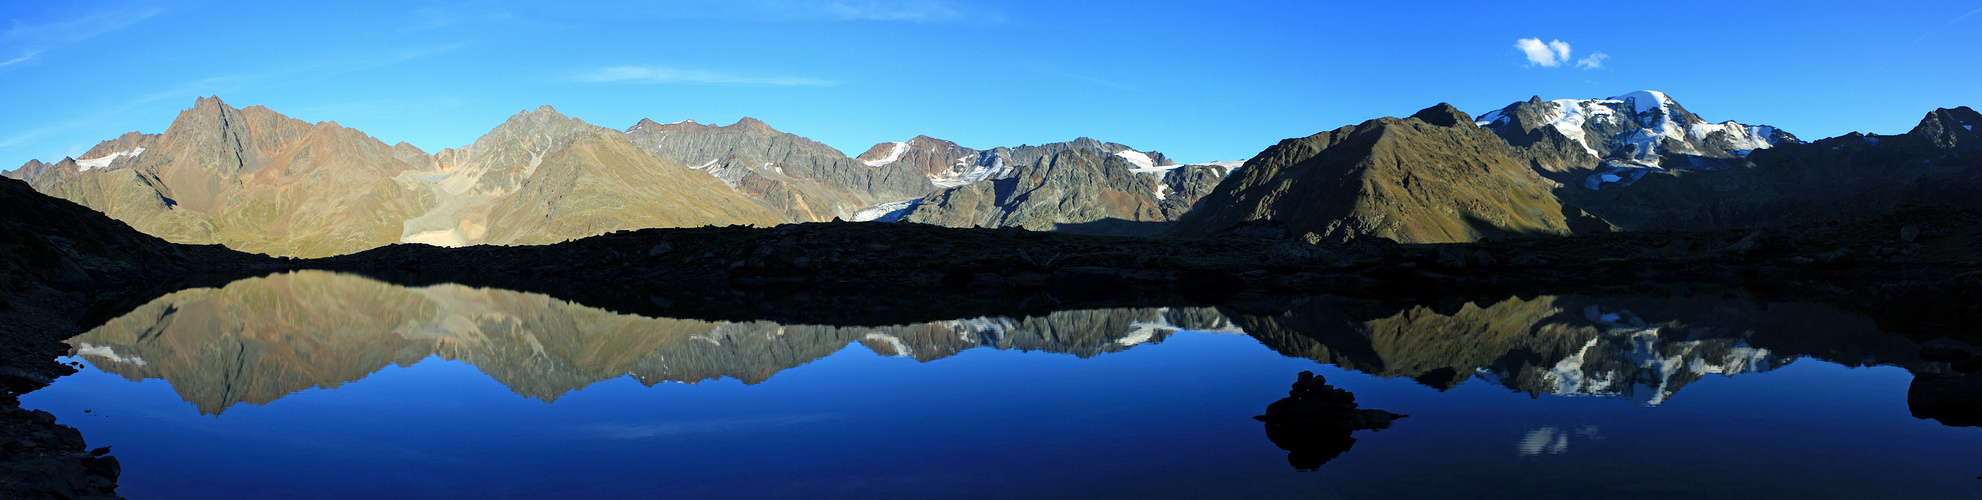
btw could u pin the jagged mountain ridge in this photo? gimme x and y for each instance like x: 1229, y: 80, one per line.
x: 257, y: 181
x: 458, y: 197
x: 1599, y: 143
x: 1662, y: 168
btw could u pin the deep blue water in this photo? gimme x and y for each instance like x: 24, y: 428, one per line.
x: 1166, y: 418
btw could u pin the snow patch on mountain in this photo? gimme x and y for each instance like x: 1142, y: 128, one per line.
x: 972, y: 169
x: 893, y: 155
x: 1137, y: 158
x: 105, y: 161
x: 886, y: 212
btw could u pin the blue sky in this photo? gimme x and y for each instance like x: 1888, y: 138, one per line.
x: 1199, y: 81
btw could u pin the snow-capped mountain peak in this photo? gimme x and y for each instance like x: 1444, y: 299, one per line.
x: 1629, y: 135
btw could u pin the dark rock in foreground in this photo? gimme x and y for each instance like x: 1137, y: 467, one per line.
x: 1314, y: 421
x: 42, y: 459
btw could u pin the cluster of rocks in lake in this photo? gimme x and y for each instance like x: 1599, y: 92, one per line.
x: 1314, y: 422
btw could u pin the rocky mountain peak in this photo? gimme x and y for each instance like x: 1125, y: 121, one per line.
x: 753, y: 125
x: 1444, y: 115
x: 542, y: 113
x: 209, y: 104
x: 1950, y: 128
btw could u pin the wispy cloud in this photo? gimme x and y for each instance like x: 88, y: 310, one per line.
x: 1957, y: 19
x: 1594, y: 61
x: 25, y: 55
x: 33, y: 40
x: 666, y: 75
x: 1550, y: 54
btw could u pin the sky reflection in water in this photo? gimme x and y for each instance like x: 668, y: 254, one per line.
x: 1164, y: 418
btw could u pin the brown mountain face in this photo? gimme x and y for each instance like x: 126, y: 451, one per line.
x: 257, y: 181
x: 251, y: 179
x: 801, y: 179
x: 1432, y: 178
x: 604, y: 183
x: 542, y: 177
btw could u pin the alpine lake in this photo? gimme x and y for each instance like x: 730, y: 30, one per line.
x: 314, y: 384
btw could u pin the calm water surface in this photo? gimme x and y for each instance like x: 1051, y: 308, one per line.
x: 319, y: 385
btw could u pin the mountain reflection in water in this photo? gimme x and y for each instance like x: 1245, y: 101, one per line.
x: 257, y: 340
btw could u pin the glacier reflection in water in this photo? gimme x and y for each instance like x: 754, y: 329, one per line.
x: 317, y: 384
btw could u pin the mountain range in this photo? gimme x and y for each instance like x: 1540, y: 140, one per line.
x: 257, y: 181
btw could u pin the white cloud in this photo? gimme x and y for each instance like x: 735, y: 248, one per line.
x: 1547, y: 55
x: 1555, y: 53
x: 661, y: 75
x: 1594, y: 61
x: 32, y: 40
